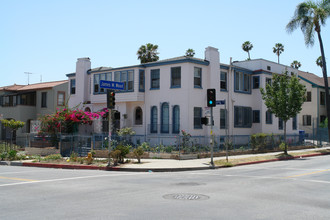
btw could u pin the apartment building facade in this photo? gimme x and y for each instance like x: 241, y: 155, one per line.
x: 164, y: 97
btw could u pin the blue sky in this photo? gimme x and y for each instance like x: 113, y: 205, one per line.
x: 46, y: 37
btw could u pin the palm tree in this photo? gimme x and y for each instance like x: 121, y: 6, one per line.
x: 319, y: 61
x: 190, y: 53
x: 278, y: 49
x: 247, y: 46
x: 148, y: 53
x: 296, y: 64
x: 309, y: 16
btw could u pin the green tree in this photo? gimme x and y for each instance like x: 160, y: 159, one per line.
x: 147, y: 53
x: 309, y: 16
x: 278, y: 49
x: 284, y: 97
x: 319, y: 61
x: 296, y: 64
x: 190, y: 53
x: 247, y: 46
x: 14, y: 126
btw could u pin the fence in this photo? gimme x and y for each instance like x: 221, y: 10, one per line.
x: 82, y: 144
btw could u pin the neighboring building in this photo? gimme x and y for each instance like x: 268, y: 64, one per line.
x: 314, y: 109
x: 27, y: 102
x: 162, y: 98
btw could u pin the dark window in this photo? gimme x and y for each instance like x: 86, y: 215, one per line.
x: 256, y: 80
x: 197, y: 118
x: 322, y: 118
x: 155, y: 78
x: 138, y: 116
x: 154, y: 119
x: 141, y: 80
x: 294, y: 123
x: 322, y: 98
x: 176, y: 120
x: 223, y: 116
x: 309, y: 96
x: 242, y: 117
x: 280, y: 123
x: 269, y: 68
x: 43, y: 99
x: 197, y: 77
x: 73, y: 86
x: 223, y: 81
x: 176, y: 77
x: 165, y: 118
x: 269, y: 117
x: 307, y: 120
x: 256, y: 116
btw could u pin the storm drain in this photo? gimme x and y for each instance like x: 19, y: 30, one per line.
x: 186, y: 196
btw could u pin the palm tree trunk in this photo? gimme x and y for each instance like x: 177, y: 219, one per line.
x: 249, y: 55
x: 278, y: 59
x: 325, y: 78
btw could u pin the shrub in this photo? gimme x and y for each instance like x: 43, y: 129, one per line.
x: 12, y: 154
x: 258, y: 142
x: 53, y: 157
x: 3, y: 155
x: 89, y: 158
x: 138, y: 152
x: 115, y: 155
x: 73, y: 157
x: 124, y: 150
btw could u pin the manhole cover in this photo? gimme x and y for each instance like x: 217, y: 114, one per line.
x: 186, y: 196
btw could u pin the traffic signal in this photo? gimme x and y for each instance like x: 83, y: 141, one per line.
x: 211, y: 102
x: 111, y: 99
x: 204, y: 121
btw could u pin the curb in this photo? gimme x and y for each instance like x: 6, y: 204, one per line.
x: 91, y: 167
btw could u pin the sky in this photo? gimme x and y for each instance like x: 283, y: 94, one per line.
x: 46, y: 38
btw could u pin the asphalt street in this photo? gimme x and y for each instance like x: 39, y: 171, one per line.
x: 295, y: 189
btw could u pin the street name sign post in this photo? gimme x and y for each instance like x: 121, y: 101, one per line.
x: 114, y: 86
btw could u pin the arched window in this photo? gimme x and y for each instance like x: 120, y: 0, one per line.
x: 176, y: 120
x: 153, y: 119
x: 138, y: 116
x: 165, y: 119
x: 87, y: 109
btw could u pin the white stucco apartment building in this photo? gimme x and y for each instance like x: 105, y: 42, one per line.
x: 167, y: 96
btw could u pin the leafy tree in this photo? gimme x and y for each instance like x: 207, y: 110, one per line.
x: 309, y: 16
x: 284, y: 97
x: 319, y: 61
x: 190, y: 53
x: 247, y: 46
x: 148, y: 53
x: 14, y: 126
x: 296, y: 64
x: 278, y: 49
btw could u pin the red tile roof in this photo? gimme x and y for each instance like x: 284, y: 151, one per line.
x: 36, y: 86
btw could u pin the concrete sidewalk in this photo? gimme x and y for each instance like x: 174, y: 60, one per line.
x: 165, y: 165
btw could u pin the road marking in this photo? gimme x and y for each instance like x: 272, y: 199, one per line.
x: 305, y: 174
x: 14, y: 178
x: 72, y: 178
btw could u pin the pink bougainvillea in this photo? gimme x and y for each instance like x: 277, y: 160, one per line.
x: 67, y: 120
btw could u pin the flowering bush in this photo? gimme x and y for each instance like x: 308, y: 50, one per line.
x: 67, y: 120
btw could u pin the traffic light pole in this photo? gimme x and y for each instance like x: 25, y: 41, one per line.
x: 110, y: 133
x: 212, y: 138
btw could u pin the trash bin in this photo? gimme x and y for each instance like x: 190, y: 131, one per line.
x: 301, y: 136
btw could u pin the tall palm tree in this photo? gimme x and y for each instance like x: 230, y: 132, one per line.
x: 309, y: 16
x: 296, y: 64
x: 190, y: 53
x: 319, y: 61
x: 278, y: 49
x: 247, y: 46
x: 148, y: 53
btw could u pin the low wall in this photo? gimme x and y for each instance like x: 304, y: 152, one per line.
x: 41, y: 151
